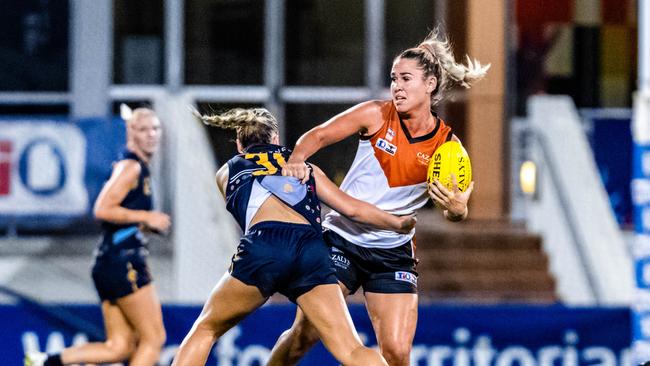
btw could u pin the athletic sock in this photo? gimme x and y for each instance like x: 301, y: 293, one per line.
x: 53, y: 360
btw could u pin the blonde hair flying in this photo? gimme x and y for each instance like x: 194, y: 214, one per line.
x: 253, y: 125
x: 435, y: 56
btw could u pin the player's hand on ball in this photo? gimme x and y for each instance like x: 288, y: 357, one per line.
x: 453, y: 200
x: 296, y: 168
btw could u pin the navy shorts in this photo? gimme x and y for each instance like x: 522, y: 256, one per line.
x: 282, y: 257
x: 386, y: 271
x: 120, y: 272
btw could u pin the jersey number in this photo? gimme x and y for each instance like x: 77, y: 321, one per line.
x: 263, y: 160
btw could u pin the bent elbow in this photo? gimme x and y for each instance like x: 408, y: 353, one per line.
x: 318, y: 136
x: 99, y: 213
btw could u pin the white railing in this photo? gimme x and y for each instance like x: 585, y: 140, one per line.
x: 587, y: 251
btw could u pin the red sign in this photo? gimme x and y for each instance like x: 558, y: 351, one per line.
x: 5, y: 167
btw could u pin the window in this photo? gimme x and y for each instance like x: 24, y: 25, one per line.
x: 302, y: 117
x: 324, y: 42
x: 138, y: 43
x: 418, y: 15
x: 224, y: 42
x: 34, y: 45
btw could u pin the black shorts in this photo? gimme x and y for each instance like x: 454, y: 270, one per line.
x: 119, y: 273
x: 386, y: 271
x: 282, y: 257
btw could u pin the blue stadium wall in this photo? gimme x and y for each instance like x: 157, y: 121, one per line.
x: 446, y: 335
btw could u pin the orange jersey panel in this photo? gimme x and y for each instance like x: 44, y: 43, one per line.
x: 405, y: 159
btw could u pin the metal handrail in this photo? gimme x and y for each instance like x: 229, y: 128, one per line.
x: 569, y: 213
x: 34, y: 98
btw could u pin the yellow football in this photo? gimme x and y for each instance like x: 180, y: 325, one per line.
x: 450, y: 158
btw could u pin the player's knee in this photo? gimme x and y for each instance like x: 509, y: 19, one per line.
x: 214, y: 326
x: 154, y: 339
x: 300, y: 339
x: 162, y: 337
x: 305, y: 336
x: 158, y: 340
x: 396, y: 353
x: 121, y: 348
x: 364, y: 356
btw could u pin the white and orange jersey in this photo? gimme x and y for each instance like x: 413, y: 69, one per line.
x: 389, y: 171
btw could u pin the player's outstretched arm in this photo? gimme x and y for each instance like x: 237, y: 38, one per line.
x: 357, y: 210
x: 362, y: 118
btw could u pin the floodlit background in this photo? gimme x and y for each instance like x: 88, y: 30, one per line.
x: 551, y: 226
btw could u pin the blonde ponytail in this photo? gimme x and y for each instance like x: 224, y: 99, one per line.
x: 238, y: 117
x: 253, y: 125
x: 435, y: 56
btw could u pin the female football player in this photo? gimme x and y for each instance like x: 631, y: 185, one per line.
x: 282, y: 249
x: 397, y: 137
x: 130, y: 305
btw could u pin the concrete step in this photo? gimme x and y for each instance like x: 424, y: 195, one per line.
x: 485, y: 259
x: 483, y: 262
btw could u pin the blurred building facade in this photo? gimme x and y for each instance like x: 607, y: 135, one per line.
x: 307, y: 60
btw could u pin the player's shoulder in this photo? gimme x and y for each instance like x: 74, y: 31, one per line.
x: 378, y: 106
x: 372, y: 114
x: 128, y: 167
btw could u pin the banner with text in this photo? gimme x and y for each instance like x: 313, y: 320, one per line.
x: 446, y: 336
x: 52, y: 169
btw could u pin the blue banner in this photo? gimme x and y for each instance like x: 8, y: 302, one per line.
x: 52, y: 169
x: 446, y: 336
x: 611, y: 141
x: 640, y: 189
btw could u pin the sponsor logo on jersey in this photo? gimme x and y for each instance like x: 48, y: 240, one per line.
x: 386, y: 146
x: 390, y: 134
x: 406, y: 277
x: 338, y: 259
x: 423, y: 158
x: 146, y: 187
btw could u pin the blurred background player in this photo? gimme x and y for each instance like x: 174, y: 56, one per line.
x: 130, y: 306
x: 396, y: 139
x: 282, y: 249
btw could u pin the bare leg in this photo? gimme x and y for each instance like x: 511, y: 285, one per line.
x: 325, y: 307
x: 119, y: 344
x: 296, y: 341
x: 230, y: 301
x: 394, y: 318
x: 143, y: 311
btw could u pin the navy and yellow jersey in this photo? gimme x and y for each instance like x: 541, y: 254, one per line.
x: 138, y: 198
x: 256, y: 174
